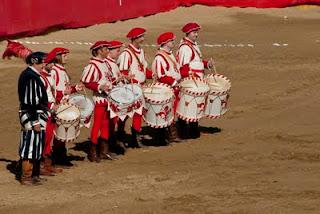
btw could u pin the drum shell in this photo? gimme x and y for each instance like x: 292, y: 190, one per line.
x: 67, y: 130
x: 216, y: 104
x: 159, y: 113
x: 191, y: 103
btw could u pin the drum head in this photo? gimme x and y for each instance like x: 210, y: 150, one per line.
x: 218, y: 83
x: 85, y: 104
x: 125, y: 94
x: 158, y: 92
x: 194, y: 85
x: 67, y: 112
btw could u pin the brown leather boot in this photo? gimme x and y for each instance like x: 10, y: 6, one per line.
x: 173, y: 134
x: 51, y: 168
x: 26, y: 177
x: 46, y: 168
x: 92, y: 156
x: 104, y: 150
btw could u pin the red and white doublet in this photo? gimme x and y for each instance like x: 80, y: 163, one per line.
x: 189, y: 51
x: 166, y: 67
x: 48, y: 83
x: 114, y: 73
x: 167, y: 71
x: 113, y: 68
x: 61, y: 80
x: 94, y: 76
x: 132, y: 61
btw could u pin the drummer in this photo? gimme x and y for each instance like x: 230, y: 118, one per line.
x: 166, y: 69
x: 132, y: 63
x: 188, y: 52
x: 97, y: 78
x: 62, y: 89
x: 114, y: 48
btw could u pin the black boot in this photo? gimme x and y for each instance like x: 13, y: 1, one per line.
x: 183, y: 131
x: 160, y: 138
x: 120, y: 131
x: 173, y: 134
x: 194, y: 130
x: 135, y: 139
x: 115, y: 146
x: 59, y: 155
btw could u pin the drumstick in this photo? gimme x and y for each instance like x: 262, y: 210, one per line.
x: 195, y: 82
x: 215, y: 70
x: 64, y: 110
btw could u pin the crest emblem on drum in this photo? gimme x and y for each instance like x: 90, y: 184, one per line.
x: 201, y: 107
x: 164, y: 113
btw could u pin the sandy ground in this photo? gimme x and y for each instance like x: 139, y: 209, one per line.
x: 266, y: 159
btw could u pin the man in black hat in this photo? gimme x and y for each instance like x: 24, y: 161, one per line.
x: 33, y: 115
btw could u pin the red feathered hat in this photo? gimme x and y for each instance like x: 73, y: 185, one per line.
x: 115, y: 44
x: 192, y: 26
x: 16, y: 49
x: 135, y: 33
x: 165, y: 37
x: 54, y: 53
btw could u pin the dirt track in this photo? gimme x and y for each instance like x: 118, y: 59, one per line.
x: 265, y: 160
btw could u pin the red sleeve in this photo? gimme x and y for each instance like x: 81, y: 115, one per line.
x: 92, y: 85
x: 205, y: 63
x: 184, y: 70
x: 166, y: 79
x: 73, y: 89
x: 125, y: 72
x: 134, y: 81
x: 50, y: 104
x: 59, y: 95
x: 149, y: 74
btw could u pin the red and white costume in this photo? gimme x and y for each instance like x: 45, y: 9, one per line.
x: 61, y: 80
x: 132, y: 61
x: 95, y: 76
x: 59, y: 74
x: 189, y: 51
x: 48, y: 83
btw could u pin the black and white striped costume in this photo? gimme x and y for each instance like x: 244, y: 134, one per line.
x: 33, y: 110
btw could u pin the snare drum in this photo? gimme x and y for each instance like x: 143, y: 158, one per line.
x: 67, y: 122
x: 86, y: 107
x: 218, y: 97
x: 159, y: 105
x: 125, y: 100
x: 191, y: 105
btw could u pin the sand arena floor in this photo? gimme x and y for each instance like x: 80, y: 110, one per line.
x: 265, y: 160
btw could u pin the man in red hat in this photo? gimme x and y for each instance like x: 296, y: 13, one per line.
x: 62, y: 89
x: 46, y: 164
x: 133, y: 64
x: 97, y: 78
x: 166, y: 68
x: 187, y: 53
x: 116, y: 76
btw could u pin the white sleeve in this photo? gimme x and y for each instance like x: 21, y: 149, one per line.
x: 184, y: 55
x: 124, y: 61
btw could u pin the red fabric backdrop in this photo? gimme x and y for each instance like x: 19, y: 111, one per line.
x: 32, y: 17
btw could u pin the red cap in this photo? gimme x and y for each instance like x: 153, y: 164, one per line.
x: 99, y: 44
x: 53, y: 54
x: 165, y: 37
x: 190, y: 27
x: 115, y: 44
x: 135, y: 32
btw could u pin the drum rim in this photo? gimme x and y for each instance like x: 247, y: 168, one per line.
x: 152, y: 101
x: 222, y: 77
x: 192, y: 93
